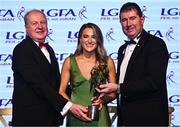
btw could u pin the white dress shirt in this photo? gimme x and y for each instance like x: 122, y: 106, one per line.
x: 128, y: 52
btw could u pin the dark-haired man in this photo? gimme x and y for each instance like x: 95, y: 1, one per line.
x: 141, y: 73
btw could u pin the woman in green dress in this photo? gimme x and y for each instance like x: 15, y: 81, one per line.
x: 77, y: 69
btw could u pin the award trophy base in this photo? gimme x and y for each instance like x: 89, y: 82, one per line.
x: 93, y: 112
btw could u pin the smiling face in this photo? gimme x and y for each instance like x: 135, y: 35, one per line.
x: 88, y: 40
x: 36, y: 26
x: 132, y: 23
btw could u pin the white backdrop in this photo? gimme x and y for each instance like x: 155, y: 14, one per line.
x: 65, y: 17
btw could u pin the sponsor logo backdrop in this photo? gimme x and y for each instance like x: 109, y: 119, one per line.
x: 65, y: 17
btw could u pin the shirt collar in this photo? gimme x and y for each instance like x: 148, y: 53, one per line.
x: 136, y: 39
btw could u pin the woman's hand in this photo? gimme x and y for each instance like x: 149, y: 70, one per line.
x: 97, y: 101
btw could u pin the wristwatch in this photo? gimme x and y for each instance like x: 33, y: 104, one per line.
x: 118, y: 89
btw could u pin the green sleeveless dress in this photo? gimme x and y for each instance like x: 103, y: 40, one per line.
x: 81, y: 94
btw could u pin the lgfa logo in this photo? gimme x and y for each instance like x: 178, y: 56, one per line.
x: 168, y: 34
x: 174, y: 57
x: 170, y: 13
x: 61, y: 56
x: 81, y: 13
x: 175, y: 99
x: 109, y: 14
x: 50, y: 33
x: 72, y: 36
x: 14, y: 37
x: 19, y: 35
x: 5, y: 59
x: 65, y: 14
x: 5, y: 102
x: 59, y: 14
x: 10, y: 82
x: 170, y: 78
x: 21, y: 13
x: 9, y: 15
x: 109, y: 35
x: 6, y: 15
x: 113, y: 13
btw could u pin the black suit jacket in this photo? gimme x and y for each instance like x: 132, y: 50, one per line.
x: 36, y: 83
x: 144, y: 93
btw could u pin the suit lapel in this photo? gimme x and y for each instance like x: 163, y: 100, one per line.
x: 54, y: 62
x: 136, y: 51
x: 52, y: 55
x: 38, y: 54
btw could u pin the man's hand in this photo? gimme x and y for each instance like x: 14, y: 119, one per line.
x: 107, y: 88
x: 80, y: 112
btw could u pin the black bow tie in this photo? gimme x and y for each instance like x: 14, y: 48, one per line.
x: 43, y: 45
x: 130, y: 42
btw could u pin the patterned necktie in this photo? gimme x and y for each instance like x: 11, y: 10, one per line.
x: 43, y: 45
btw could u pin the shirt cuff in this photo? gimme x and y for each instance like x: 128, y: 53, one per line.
x: 66, y: 108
